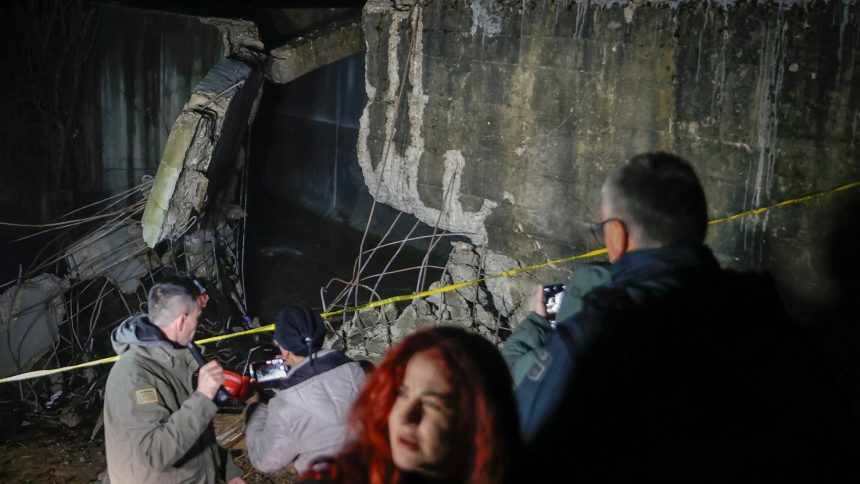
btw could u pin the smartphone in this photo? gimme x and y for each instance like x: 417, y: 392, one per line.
x: 269, y: 371
x: 552, y: 296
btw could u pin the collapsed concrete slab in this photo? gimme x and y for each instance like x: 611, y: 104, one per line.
x: 115, y: 251
x: 314, y: 50
x: 30, y: 314
x: 202, y: 145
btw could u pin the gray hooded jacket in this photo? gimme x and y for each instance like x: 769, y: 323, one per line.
x: 304, y: 421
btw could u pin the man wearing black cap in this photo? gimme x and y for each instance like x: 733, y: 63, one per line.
x: 307, y: 417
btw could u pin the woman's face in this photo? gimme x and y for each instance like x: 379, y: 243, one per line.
x: 421, y: 418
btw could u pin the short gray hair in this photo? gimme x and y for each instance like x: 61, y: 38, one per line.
x: 167, y: 301
x: 660, y: 199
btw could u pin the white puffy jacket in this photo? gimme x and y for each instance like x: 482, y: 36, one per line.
x: 305, y: 421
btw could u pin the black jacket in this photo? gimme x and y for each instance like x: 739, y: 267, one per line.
x: 678, y: 371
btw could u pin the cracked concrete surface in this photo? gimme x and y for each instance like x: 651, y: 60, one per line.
x: 393, y: 177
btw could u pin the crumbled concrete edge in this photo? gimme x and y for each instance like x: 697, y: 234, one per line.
x: 315, y: 49
x: 240, y: 38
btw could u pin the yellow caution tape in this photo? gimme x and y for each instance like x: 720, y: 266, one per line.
x: 38, y: 373
x: 459, y: 285
x: 112, y: 359
x: 440, y: 290
x: 805, y: 198
x: 261, y: 329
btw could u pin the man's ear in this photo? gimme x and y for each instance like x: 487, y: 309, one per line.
x: 617, y: 239
x: 180, y: 322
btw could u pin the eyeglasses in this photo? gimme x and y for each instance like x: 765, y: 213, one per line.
x: 597, y: 229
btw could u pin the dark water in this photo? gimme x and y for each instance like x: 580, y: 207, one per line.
x: 292, y: 253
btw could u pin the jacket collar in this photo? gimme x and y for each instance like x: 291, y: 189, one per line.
x: 138, y: 333
x: 645, y: 264
x: 307, y: 359
x: 323, y: 361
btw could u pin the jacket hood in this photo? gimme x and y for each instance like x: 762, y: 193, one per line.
x: 137, y: 331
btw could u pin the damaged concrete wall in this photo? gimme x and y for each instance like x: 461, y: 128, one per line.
x: 147, y: 64
x: 514, y: 112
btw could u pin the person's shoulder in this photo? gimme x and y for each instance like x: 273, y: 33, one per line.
x: 132, y: 370
x: 351, y: 371
x: 340, y: 364
x: 129, y: 364
x: 342, y: 372
x: 359, y: 366
x: 607, y: 298
x: 591, y: 275
x: 605, y: 309
x: 334, y: 387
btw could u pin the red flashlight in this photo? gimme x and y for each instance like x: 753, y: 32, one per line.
x: 238, y: 386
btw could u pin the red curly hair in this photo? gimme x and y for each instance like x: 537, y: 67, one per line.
x: 486, y: 439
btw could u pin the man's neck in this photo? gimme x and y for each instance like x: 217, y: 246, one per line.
x: 171, y: 334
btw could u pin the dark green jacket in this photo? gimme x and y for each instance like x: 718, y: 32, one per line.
x: 522, y: 349
x: 157, y: 428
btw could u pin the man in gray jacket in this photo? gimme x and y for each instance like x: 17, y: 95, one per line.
x: 307, y: 417
x: 158, y: 429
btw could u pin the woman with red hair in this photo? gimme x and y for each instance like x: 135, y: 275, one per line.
x: 439, y: 408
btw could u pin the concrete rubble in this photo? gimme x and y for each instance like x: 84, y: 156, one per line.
x: 30, y: 315
x: 492, y: 307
